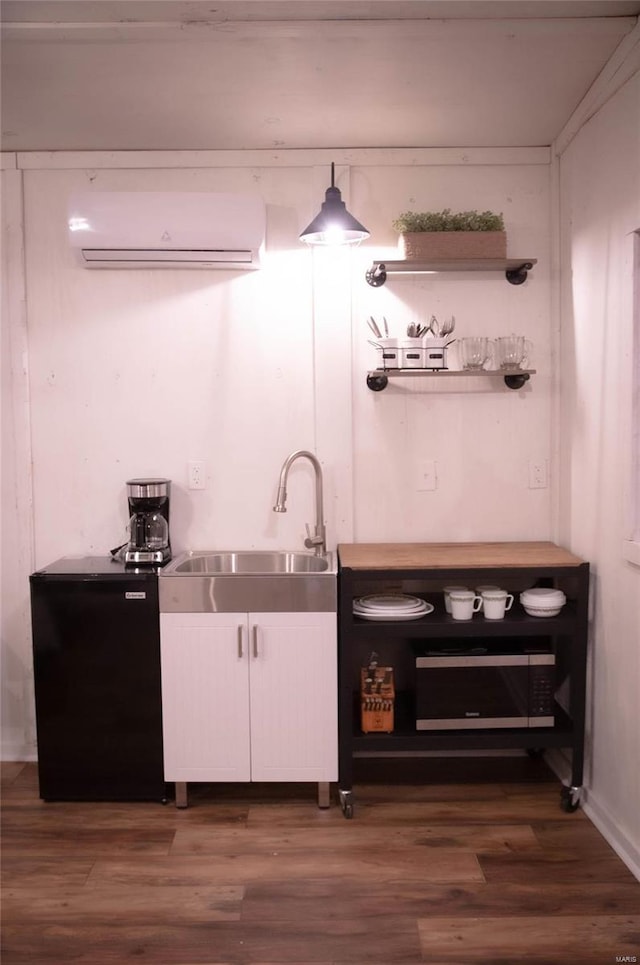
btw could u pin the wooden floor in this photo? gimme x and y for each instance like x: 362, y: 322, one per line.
x: 466, y: 869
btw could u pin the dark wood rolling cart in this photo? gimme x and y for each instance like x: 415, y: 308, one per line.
x: 423, y: 570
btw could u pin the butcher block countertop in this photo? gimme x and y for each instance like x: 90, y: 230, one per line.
x: 433, y: 556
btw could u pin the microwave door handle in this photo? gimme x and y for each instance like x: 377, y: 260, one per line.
x: 495, y: 660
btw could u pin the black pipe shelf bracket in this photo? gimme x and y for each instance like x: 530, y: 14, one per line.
x: 515, y: 269
x: 378, y: 379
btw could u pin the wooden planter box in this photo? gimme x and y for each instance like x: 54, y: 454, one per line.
x: 452, y: 245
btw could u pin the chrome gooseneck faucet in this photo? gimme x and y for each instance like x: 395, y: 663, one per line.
x: 319, y: 539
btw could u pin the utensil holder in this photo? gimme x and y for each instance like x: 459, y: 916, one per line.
x: 435, y: 353
x: 412, y: 354
x: 389, y: 352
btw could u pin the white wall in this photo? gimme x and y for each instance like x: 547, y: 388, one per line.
x: 16, y: 510
x: 600, y: 210
x: 136, y: 372
x: 481, y: 435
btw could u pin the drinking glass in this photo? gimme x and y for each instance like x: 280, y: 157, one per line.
x: 474, y: 352
x: 512, y: 351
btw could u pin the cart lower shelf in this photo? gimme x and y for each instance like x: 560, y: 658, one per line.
x: 406, y: 739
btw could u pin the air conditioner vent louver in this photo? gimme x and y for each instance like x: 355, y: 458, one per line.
x: 167, y: 230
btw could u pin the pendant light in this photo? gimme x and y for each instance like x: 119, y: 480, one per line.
x: 334, y: 225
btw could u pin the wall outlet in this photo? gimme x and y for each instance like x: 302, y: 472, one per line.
x: 196, y: 474
x: 538, y: 475
x: 426, y: 478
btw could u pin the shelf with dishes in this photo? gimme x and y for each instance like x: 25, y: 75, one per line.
x: 515, y: 269
x: 513, y: 624
x: 537, y: 611
x: 514, y: 378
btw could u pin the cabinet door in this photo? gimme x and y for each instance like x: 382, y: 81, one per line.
x: 205, y: 696
x: 294, y: 693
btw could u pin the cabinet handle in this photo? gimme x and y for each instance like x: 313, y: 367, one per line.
x: 240, y: 641
x: 255, y: 639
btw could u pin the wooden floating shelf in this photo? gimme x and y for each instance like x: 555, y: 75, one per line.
x: 515, y: 269
x: 377, y: 379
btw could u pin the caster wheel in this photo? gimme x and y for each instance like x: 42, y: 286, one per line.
x: 346, y: 803
x: 570, y: 799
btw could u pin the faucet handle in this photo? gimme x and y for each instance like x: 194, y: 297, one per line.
x: 312, y: 541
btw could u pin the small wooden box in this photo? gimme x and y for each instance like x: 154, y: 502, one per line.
x: 377, y: 696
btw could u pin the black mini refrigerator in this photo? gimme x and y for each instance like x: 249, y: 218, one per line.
x: 96, y: 657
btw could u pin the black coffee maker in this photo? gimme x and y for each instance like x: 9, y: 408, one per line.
x: 149, y: 522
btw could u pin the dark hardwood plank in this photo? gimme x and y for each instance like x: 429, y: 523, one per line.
x: 328, y: 898
x: 558, y: 865
x: 119, y: 903
x: 519, y: 809
x: 31, y: 870
x: 24, y: 815
x: 355, y: 837
x: 401, y: 864
x: 579, y: 836
x: 287, y: 942
x: 9, y: 771
x: 506, y: 940
x: 78, y: 841
x: 383, y: 793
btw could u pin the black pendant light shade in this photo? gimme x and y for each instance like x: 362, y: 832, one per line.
x: 334, y: 225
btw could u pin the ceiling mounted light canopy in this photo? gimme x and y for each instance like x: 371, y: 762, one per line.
x: 334, y: 225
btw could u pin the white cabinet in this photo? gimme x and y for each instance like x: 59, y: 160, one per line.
x: 249, y: 697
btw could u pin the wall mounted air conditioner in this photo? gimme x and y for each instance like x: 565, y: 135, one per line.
x: 154, y: 229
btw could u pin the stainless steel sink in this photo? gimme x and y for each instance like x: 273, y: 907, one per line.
x: 249, y: 581
x: 250, y: 562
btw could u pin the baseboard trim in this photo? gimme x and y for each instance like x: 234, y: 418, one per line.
x: 13, y: 751
x: 598, y: 814
x: 623, y: 847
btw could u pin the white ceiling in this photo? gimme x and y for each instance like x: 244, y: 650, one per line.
x: 200, y: 74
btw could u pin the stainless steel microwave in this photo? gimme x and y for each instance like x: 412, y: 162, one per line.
x: 475, y: 690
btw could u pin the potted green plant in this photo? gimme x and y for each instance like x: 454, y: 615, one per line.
x: 449, y: 235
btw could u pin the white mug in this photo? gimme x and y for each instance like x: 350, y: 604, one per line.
x: 447, y: 590
x: 495, y: 604
x: 464, y: 603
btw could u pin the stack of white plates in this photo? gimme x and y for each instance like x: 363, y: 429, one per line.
x: 396, y: 606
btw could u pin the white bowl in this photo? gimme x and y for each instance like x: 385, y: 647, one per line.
x: 542, y: 611
x: 541, y: 597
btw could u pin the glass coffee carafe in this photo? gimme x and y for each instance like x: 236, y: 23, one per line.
x: 148, y: 531
x: 149, y: 522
